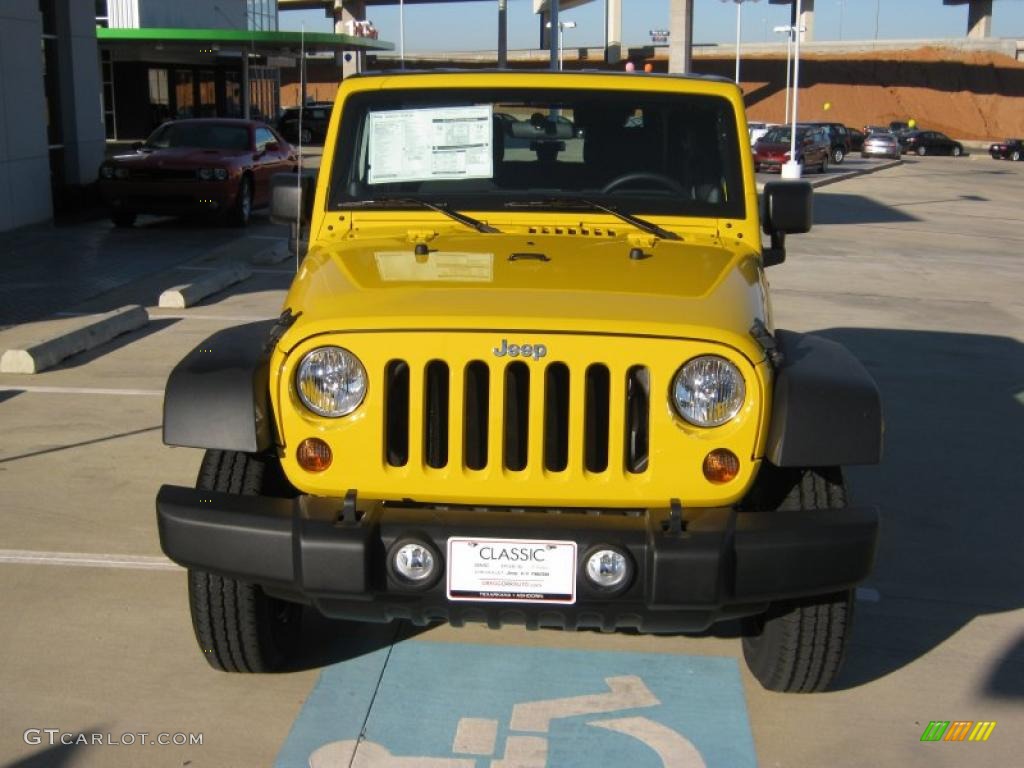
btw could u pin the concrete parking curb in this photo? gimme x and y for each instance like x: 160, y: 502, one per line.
x: 181, y: 296
x: 843, y: 175
x: 93, y: 331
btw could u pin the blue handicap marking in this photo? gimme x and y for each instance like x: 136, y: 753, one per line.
x: 423, y: 703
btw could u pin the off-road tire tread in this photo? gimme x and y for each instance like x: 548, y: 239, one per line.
x: 798, y: 646
x: 231, y: 618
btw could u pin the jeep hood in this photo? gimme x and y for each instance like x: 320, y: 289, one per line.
x: 695, y: 287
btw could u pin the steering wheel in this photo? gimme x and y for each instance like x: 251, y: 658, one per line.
x: 666, y: 181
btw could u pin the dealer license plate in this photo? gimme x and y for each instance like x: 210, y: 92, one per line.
x: 512, y: 570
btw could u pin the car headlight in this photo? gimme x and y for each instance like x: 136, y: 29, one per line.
x: 220, y: 174
x: 205, y: 174
x: 331, y: 381
x: 708, y: 391
x: 107, y: 171
x: 121, y: 173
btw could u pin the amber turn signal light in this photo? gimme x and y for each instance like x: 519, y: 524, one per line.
x: 314, y: 455
x: 721, y: 466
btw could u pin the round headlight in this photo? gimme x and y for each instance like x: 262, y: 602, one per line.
x: 220, y: 174
x: 708, y: 391
x: 121, y: 173
x: 205, y: 174
x: 107, y: 171
x: 331, y: 381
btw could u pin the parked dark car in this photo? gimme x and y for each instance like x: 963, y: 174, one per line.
x: 857, y: 137
x: 929, y: 143
x: 898, y: 127
x: 1010, y: 149
x: 315, y: 118
x: 212, y: 166
x: 813, y: 148
x: 839, y: 139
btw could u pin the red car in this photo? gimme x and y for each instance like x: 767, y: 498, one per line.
x: 209, y: 166
x: 813, y: 148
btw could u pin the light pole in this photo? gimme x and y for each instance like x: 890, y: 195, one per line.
x: 792, y: 168
x: 562, y: 26
x: 739, y: 27
x: 788, y: 30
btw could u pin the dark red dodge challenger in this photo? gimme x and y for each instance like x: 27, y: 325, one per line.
x: 211, y: 166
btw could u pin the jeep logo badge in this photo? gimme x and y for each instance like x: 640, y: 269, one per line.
x: 536, y: 351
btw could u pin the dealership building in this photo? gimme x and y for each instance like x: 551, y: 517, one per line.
x: 112, y: 70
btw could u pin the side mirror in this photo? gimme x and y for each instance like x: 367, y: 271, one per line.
x: 787, y: 207
x: 291, y: 196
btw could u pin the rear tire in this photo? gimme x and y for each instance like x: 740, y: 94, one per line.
x: 837, y: 155
x: 824, y: 164
x: 922, y: 151
x: 957, y: 151
x: 1015, y: 155
x: 798, y: 646
x: 238, y: 627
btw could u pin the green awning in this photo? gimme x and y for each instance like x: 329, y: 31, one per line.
x: 258, y: 41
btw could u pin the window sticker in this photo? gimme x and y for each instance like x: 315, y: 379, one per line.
x: 431, y: 144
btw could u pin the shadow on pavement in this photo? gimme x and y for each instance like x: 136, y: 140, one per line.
x: 1007, y: 678
x: 839, y: 208
x: 329, y: 641
x: 155, y: 325
x: 58, y: 755
x: 949, y: 492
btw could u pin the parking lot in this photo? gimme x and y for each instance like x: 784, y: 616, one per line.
x: 917, y: 269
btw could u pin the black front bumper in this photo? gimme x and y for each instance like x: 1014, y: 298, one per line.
x: 722, y: 564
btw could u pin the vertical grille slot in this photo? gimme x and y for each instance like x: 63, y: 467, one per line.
x: 475, y: 419
x: 595, y: 439
x: 435, y: 433
x: 638, y: 410
x: 517, y: 415
x: 556, y: 417
x: 396, y: 413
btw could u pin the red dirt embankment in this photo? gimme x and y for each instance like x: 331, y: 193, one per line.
x: 969, y: 95
x: 976, y: 95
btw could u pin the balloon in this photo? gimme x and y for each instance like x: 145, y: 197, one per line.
x: 912, y: 123
x: 828, y: 105
x: 630, y: 66
x: 648, y: 67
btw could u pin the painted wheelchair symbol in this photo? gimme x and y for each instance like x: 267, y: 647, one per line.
x: 525, y: 749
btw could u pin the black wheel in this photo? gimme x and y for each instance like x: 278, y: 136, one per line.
x: 242, y: 212
x: 240, y: 628
x: 306, y: 136
x: 957, y: 150
x: 922, y: 151
x: 122, y: 219
x: 837, y: 155
x: 798, y: 646
x: 1015, y: 155
x: 824, y: 164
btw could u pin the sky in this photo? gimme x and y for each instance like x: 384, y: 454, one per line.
x: 471, y: 26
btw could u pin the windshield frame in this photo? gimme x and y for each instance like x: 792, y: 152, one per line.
x: 173, y: 125
x: 345, y: 191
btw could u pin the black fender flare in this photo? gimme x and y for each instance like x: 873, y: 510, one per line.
x: 218, y: 395
x: 826, y: 408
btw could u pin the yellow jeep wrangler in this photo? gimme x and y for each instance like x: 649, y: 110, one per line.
x: 527, y: 373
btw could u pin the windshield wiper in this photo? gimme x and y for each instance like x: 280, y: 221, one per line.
x: 462, y: 218
x: 582, y: 202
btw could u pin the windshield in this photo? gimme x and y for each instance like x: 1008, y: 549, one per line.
x: 781, y: 135
x: 483, y: 149
x: 200, y: 136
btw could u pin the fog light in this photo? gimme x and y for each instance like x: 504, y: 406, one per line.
x: 314, y: 455
x: 608, y: 568
x: 414, y: 562
x: 721, y: 466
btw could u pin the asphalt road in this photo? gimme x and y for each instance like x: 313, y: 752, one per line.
x: 917, y: 269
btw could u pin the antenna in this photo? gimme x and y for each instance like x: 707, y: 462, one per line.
x: 298, y: 176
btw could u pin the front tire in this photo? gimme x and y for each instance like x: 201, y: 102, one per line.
x: 824, y: 164
x: 238, y: 627
x: 957, y: 151
x: 837, y: 155
x: 1015, y: 155
x: 240, y: 215
x: 922, y: 151
x: 798, y: 646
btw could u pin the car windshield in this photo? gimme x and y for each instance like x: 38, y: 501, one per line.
x: 781, y: 135
x: 486, y: 148
x: 200, y: 136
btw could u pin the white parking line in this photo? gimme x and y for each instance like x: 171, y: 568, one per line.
x: 84, y: 560
x: 158, y: 312
x: 254, y: 270
x: 80, y: 390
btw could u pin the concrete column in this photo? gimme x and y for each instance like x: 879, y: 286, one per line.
x: 680, y: 39
x: 979, y: 18
x: 80, y: 84
x: 613, y: 31
x: 24, y: 156
x: 351, y: 62
x: 807, y: 21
